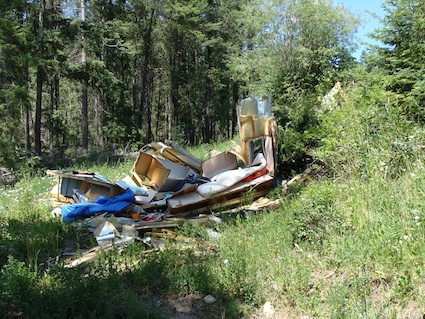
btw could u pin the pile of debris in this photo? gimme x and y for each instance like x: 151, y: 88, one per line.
x: 167, y: 185
x: 6, y: 176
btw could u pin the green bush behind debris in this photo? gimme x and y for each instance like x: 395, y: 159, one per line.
x: 348, y: 243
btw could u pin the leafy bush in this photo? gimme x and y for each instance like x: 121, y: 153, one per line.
x: 366, y: 133
x: 297, y: 133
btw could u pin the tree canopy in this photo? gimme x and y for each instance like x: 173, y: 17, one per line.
x: 401, y: 54
x: 137, y: 71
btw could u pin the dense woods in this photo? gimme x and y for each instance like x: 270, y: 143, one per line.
x: 96, y: 74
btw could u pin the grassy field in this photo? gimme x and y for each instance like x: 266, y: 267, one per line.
x: 348, y: 243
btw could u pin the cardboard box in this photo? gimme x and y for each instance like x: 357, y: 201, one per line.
x: 94, y: 190
x: 158, y: 173
x: 87, y: 183
x: 217, y: 164
x: 176, y: 154
x: 68, y: 185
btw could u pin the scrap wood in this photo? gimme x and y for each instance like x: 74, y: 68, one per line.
x: 189, y: 243
x: 6, y: 175
x: 198, y: 219
x: 151, y: 225
x: 173, y: 222
x: 86, y: 256
x: 143, y: 183
x: 92, y: 254
x: 302, y: 177
x: 167, y: 234
x: 259, y: 204
x: 176, y: 154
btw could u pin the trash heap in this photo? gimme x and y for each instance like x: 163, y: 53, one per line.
x: 167, y: 185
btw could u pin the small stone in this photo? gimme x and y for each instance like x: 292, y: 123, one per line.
x: 209, y: 299
x: 268, y: 310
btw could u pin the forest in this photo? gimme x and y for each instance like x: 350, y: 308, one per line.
x: 96, y: 75
x: 87, y: 79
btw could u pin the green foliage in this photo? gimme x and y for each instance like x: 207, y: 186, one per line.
x: 359, y: 136
x: 160, y: 70
x: 349, y: 244
x: 8, y: 156
x: 310, y: 45
x: 297, y: 134
x: 399, y: 56
x: 303, y: 56
x: 51, y: 296
x: 29, y: 232
x: 16, y: 282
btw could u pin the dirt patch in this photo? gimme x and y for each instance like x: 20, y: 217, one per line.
x: 190, y: 306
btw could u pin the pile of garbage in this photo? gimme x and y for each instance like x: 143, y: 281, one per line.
x: 167, y: 185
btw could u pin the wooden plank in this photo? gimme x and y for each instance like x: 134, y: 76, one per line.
x: 222, y: 201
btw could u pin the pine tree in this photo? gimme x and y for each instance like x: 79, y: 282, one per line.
x: 401, y: 55
x: 17, y: 51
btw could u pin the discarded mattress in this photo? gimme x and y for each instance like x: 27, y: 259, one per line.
x: 71, y: 213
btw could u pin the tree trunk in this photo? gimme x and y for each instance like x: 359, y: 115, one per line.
x: 169, y: 117
x: 51, y: 111
x: 173, y: 103
x: 56, y: 130
x: 208, y: 99
x: 27, y: 114
x: 40, y: 75
x: 234, y: 106
x: 158, y: 108
x: 84, y: 101
x: 145, y: 77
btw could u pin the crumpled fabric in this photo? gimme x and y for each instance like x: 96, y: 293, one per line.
x: 71, y: 213
x: 192, y: 178
x: 224, y: 180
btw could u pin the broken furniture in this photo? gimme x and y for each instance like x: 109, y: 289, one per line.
x: 173, y: 182
x: 91, y: 184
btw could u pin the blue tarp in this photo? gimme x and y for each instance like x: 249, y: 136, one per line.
x: 115, y: 204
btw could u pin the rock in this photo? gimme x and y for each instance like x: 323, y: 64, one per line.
x: 209, y: 299
x: 268, y: 310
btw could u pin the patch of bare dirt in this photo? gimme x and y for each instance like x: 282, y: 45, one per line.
x: 190, y: 306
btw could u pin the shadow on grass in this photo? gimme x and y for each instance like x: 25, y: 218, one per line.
x: 129, y: 284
